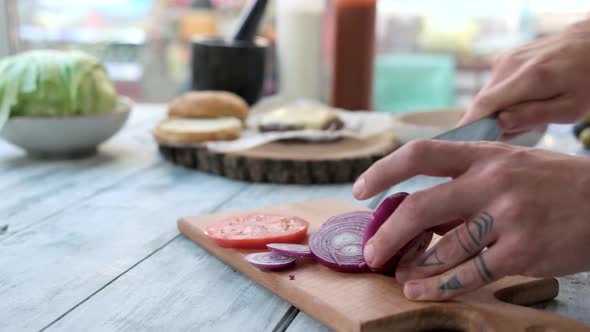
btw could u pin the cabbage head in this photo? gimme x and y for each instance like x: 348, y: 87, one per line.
x: 47, y: 83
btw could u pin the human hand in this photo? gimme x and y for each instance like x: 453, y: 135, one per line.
x: 537, y: 84
x: 529, y: 207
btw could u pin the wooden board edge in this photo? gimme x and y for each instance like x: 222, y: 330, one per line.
x: 272, y: 170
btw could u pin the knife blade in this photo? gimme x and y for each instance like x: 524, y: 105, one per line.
x: 484, y: 129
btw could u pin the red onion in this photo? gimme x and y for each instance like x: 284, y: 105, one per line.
x: 290, y: 249
x: 415, y: 247
x: 337, y: 244
x: 270, y: 261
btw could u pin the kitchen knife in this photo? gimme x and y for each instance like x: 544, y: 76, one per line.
x: 485, y: 129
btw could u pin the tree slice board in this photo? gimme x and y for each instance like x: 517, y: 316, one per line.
x: 288, y: 162
x: 372, y: 302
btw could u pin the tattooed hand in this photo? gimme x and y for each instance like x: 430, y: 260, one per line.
x: 526, y: 211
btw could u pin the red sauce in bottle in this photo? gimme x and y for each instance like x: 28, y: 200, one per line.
x: 352, y: 52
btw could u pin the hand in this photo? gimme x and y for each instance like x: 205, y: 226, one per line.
x: 528, y: 208
x: 540, y: 83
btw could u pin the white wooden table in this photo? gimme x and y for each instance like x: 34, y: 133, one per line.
x: 92, y: 244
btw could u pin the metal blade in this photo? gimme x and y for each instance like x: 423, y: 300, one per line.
x: 485, y: 129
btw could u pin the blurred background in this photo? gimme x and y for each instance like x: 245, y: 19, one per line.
x: 429, y: 53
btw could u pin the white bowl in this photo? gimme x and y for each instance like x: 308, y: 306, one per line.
x: 65, y: 137
x: 427, y: 124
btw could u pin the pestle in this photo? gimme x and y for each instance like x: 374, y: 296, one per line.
x: 249, y: 21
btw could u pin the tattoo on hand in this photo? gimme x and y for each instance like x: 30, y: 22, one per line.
x: 482, y: 269
x: 431, y: 259
x: 452, y: 284
x: 463, y: 245
x: 470, y: 236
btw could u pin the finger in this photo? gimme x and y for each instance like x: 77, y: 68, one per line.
x: 457, y: 246
x: 511, y: 136
x: 446, y: 227
x: 527, y: 116
x: 422, y: 157
x: 470, y: 275
x: 529, y: 83
x: 453, y: 200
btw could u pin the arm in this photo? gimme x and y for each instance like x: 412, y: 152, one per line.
x: 543, y: 82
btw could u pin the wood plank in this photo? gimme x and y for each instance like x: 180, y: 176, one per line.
x: 51, y: 268
x: 41, y: 188
x: 305, y: 323
x: 574, y: 298
x: 180, y: 288
x: 196, y: 289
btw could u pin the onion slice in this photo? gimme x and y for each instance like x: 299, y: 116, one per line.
x: 337, y: 244
x: 290, y: 249
x: 270, y: 261
x: 412, y: 249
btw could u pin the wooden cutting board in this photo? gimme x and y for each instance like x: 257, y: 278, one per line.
x: 288, y: 162
x: 372, y: 302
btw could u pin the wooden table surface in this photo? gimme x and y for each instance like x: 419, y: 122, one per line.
x: 92, y: 244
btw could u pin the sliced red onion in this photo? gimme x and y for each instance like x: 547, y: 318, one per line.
x: 415, y: 247
x: 337, y: 244
x: 290, y: 249
x: 382, y: 212
x: 270, y: 261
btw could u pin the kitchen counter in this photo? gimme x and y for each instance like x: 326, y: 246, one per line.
x: 92, y: 244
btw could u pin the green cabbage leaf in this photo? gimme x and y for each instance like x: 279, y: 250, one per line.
x: 48, y: 83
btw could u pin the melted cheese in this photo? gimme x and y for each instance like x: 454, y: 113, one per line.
x: 308, y: 118
x: 188, y: 125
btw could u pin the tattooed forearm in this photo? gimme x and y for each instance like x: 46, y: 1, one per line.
x: 452, y: 284
x: 482, y: 269
x: 431, y: 259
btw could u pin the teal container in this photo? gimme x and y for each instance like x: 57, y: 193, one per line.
x: 406, y: 83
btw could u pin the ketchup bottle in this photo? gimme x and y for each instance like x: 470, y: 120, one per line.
x: 351, y: 48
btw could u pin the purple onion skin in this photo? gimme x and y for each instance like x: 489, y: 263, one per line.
x: 283, y: 248
x: 415, y: 247
x: 270, y: 265
x: 383, y: 211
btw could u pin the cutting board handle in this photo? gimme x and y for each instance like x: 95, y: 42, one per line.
x: 499, y: 309
x: 488, y: 318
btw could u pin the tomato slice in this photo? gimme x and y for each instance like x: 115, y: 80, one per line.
x: 255, y: 231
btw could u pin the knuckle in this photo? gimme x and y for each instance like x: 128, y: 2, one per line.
x: 493, y: 147
x: 497, y: 177
x: 413, y: 205
x: 484, y: 101
x: 416, y: 150
x: 514, y: 206
x: 538, y: 71
x: 513, y: 265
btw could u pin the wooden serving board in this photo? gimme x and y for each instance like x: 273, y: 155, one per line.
x: 288, y: 162
x: 372, y: 302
